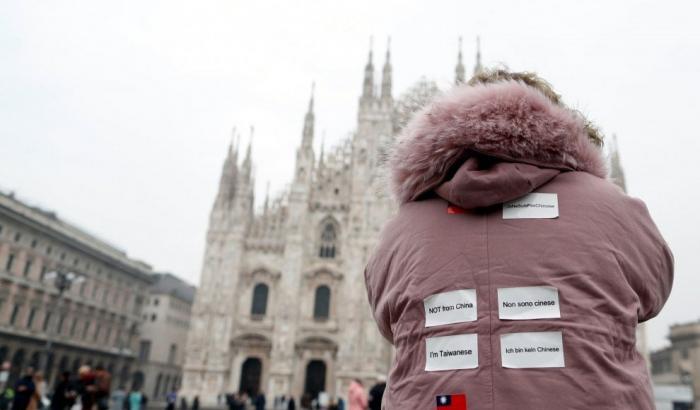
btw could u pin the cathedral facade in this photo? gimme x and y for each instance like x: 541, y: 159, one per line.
x: 282, y: 306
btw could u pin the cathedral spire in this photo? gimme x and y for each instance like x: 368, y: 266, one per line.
x: 459, y: 69
x: 368, y: 85
x: 617, y: 174
x: 248, y: 161
x: 323, y: 143
x: 229, y: 172
x: 386, y: 73
x: 267, y: 196
x: 308, y: 134
x: 233, y: 145
x: 477, y: 67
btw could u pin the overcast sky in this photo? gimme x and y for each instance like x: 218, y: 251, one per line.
x: 117, y: 114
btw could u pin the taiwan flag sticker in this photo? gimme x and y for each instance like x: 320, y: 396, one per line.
x: 452, y: 402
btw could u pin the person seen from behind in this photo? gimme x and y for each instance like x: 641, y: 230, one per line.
x: 515, y: 272
x: 86, y: 387
x: 64, y: 393
x: 24, y: 392
x: 376, y: 393
x: 39, y: 400
x: 136, y: 400
x: 357, y: 397
x: 103, y: 385
x: 170, y: 399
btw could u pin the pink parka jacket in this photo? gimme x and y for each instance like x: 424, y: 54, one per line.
x: 502, y: 304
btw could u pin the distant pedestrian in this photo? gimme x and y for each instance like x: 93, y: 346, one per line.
x: 118, y: 398
x: 6, y: 392
x: 86, y: 387
x: 64, y: 393
x: 375, y: 395
x: 183, y: 403
x: 24, y: 391
x: 259, y: 401
x: 39, y: 400
x: 103, y: 384
x: 291, y: 405
x: 195, y: 403
x: 170, y: 400
x: 7, y: 395
x: 136, y: 400
x: 357, y: 397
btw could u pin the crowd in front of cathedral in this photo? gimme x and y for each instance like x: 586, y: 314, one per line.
x: 358, y: 399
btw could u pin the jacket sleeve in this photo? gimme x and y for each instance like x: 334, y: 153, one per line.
x: 647, y: 261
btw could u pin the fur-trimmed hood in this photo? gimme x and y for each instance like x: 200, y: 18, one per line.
x: 508, y: 121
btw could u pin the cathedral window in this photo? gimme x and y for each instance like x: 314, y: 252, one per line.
x: 328, y: 241
x: 259, y: 306
x: 322, y: 303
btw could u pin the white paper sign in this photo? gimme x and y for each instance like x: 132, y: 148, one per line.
x: 450, y: 307
x: 451, y: 352
x: 532, y: 350
x: 532, y: 302
x: 532, y: 206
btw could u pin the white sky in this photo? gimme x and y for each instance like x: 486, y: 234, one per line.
x: 117, y: 114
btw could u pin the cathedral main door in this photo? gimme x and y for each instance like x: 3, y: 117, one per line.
x: 251, y: 372
x: 315, y: 378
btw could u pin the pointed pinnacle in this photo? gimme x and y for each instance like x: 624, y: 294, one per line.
x: 232, y: 143
x: 313, y: 92
x: 459, y: 55
x: 250, y: 143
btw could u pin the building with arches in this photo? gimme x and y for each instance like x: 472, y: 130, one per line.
x: 96, y: 321
x: 282, y: 305
x: 166, y: 321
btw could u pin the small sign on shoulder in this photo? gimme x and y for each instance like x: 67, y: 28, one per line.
x: 532, y: 206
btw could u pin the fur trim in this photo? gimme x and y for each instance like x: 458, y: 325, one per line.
x: 507, y: 120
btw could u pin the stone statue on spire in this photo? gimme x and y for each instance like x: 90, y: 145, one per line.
x: 368, y: 84
x: 308, y: 134
x: 386, y: 73
x: 459, y: 69
x: 477, y: 66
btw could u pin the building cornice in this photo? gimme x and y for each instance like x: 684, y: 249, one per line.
x: 73, y: 237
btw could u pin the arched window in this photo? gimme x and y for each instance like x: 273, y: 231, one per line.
x: 259, y: 306
x: 322, y: 302
x: 156, y: 389
x: 172, y: 354
x: 329, y: 237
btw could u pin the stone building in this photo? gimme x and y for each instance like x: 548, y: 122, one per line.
x: 679, y: 364
x: 96, y: 321
x: 282, y: 306
x: 166, y: 320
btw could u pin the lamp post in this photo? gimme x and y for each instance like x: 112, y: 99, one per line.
x: 124, y: 351
x: 62, y: 280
